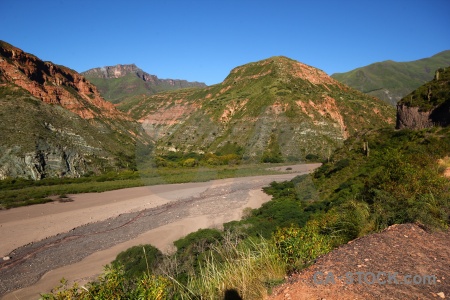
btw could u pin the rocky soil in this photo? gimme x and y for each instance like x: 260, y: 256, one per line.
x: 403, y: 250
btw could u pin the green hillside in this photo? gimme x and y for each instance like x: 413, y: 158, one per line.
x: 389, y: 80
x: 432, y: 94
x: 273, y: 110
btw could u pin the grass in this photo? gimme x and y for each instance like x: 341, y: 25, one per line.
x: 247, y: 269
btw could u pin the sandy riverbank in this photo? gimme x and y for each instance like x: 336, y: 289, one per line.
x: 187, y: 207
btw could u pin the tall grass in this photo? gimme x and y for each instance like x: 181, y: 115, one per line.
x: 248, y: 268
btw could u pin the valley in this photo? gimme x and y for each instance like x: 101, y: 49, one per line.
x: 95, y: 227
x: 189, y: 169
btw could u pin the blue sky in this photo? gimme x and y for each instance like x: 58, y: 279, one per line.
x: 203, y: 40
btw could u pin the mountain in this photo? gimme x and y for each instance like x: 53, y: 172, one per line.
x: 390, y: 81
x: 116, y: 83
x: 271, y: 110
x: 427, y: 106
x: 54, y: 123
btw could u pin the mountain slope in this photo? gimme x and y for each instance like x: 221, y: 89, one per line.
x: 427, y: 106
x: 272, y: 110
x: 54, y: 123
x: 389, y: 80
x: 116, y: 83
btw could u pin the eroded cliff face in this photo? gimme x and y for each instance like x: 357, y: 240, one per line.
x: 412, y: 118
x: 54, y: 84
x: 428, y: 105
x: 48, y: 160
x: 54, y: 123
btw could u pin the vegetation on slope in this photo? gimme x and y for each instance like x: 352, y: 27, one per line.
x: 31, y: 127
x: 390, y: 81
x: 308, y: 112
x: 378, y: 178
x: 431, y: 94
x: 56, y: 124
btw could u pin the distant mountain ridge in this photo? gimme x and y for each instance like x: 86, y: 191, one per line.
x: 54, y: 123
x: 117, y: 82
x: 275, y: 108
x: 390, y: 81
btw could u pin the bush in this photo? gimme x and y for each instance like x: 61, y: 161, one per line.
x: 312, y: 157
x: 138, y: 260
x: 299, y: 247
x: 112, y: 284
x: 190, y: 162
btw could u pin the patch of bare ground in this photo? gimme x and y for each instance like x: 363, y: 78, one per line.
x: 405, y: 252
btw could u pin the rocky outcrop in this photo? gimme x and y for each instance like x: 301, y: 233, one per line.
x: 411, y: 117
x: 116, y: 71
x: 46, y: 161
x: 55, y: 123
x: 427, y: 106
x: 440, y: 116
x: 54, y: 84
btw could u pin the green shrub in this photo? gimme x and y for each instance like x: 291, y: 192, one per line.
x: 138, y: 260
x: 112, y: 284
x: 190, y: 162
x: 299, y: 247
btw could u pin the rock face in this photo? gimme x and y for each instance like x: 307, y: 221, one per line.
x: 427, y: 106
x: 276, y: 103
x: 411, y: 117
x: 119, y: 82
x: 54, y: 123
x: 48, y: 160
x: 54, y: 84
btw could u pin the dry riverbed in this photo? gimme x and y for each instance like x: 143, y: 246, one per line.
x: 76, y: 239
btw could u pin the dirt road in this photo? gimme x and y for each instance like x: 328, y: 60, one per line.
x: 76, y: 239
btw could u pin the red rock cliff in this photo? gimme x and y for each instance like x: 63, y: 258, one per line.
x: 54, y: 84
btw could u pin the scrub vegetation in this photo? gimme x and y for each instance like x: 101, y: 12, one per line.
x: 377, y: 179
